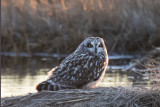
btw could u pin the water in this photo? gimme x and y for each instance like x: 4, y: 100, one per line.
x: 20, y: 75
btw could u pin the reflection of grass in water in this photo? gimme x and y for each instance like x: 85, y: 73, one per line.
x: 27, y: 66
x: 60, y: 25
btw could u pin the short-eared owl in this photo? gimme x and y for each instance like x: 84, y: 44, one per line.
x: 84, y: 68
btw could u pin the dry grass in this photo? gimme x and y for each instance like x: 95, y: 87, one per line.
x: 98, y: 97
x: 149, y: 66
x: 60, y: 25
x: 153, y: 67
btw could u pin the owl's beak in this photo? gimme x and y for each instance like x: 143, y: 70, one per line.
x: 95, y: 47
x: 95, y: 50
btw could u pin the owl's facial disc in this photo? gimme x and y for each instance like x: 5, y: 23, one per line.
x: 92, y: 45
x: 95, y: 46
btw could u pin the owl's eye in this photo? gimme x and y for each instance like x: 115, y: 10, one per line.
x: 89, y: 45
x: 100, y: 45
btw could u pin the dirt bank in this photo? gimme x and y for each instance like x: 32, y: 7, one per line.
x: 98, y: 97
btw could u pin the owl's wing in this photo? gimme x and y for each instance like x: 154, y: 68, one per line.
x: 50, y: 73
x: 78, y: 70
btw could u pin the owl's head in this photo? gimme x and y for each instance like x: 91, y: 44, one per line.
x: 92, y: 45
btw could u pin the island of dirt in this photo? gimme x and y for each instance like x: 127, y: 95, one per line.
x: 97, y: 97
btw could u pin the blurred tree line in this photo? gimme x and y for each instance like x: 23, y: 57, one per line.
x: 58, y: 26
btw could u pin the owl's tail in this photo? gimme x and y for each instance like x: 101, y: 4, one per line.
x: 46, y: 85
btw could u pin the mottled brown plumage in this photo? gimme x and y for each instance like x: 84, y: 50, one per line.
x: 82, y: 69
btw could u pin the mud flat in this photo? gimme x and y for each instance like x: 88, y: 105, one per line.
x: 97, y: 97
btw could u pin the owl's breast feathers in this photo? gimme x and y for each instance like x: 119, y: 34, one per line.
x: 79, y: 69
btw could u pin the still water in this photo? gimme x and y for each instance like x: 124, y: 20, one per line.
x: 20, y: 75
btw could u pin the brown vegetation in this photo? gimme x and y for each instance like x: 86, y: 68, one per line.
x: 60, y: 25
x: 98, y: 97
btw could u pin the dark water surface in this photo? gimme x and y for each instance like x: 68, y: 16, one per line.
x: 21, y: 74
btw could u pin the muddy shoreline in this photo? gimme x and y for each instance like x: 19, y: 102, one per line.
x: 98, y: 97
